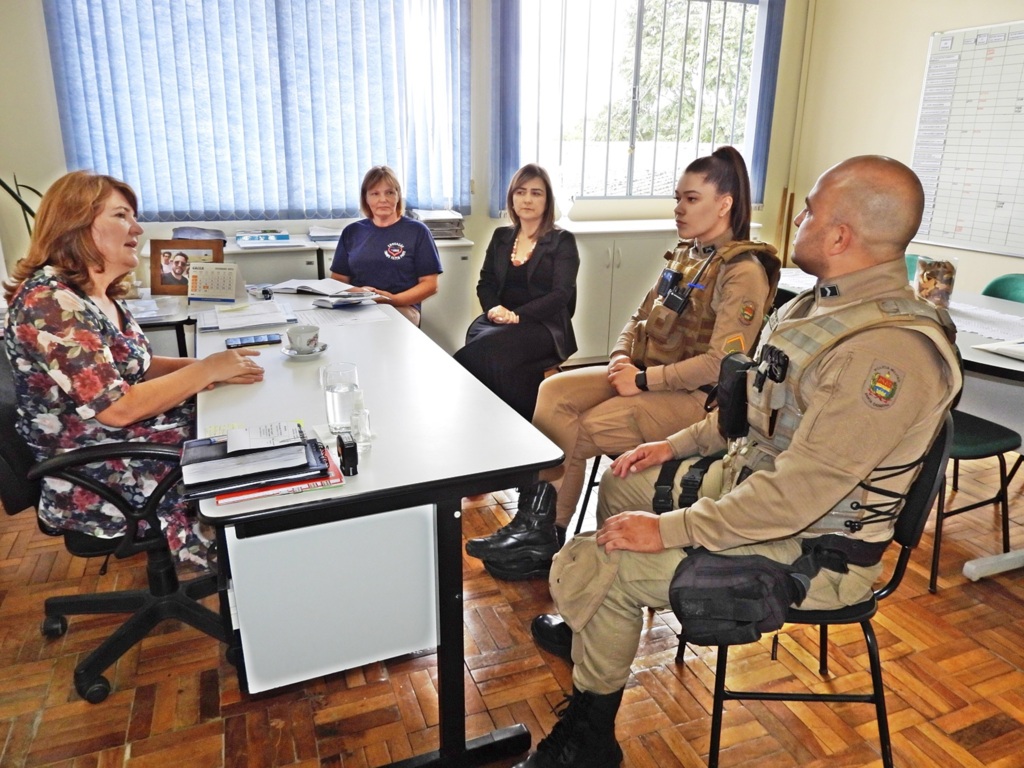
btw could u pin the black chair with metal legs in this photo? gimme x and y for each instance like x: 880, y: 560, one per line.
x: 592, y: 482
x: 909, y: 527
x: 976, y: 438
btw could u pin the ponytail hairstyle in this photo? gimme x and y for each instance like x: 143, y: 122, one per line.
x: 726, y: 170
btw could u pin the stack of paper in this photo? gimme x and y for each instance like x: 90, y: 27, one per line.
x: 322, y: 234
x: 443, y: 225
x: 255, y: 314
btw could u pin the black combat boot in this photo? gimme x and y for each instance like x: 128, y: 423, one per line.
x: 552, y: 634
x: 531, y: 534
x: 525, y: 566
x: 583, y: 737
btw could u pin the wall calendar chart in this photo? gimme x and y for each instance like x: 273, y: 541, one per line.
x: 969, y: 146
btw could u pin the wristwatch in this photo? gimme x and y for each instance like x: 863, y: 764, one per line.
x: 641, y: 381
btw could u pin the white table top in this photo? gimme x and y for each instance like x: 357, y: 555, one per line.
x: 435, y: 425
x: 978, y: 360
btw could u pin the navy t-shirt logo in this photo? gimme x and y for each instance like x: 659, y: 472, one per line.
x: 395, y: 251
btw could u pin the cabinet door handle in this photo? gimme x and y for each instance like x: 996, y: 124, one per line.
x: 618, y: 257
x: 608, y: 258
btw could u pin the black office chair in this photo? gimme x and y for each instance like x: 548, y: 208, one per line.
x: 909, y: 526
x: 165, y: 598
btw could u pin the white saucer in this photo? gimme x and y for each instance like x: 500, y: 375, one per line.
x: 286, y: 350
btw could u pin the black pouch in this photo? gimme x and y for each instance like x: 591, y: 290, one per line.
x: 731, y: 600
x: 732, y: 395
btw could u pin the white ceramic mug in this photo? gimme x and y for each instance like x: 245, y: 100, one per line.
x: 304, y: 339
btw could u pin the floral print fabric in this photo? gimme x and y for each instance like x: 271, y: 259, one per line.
x: 71, y: 362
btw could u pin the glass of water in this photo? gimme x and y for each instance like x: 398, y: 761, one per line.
x: 340, y: 382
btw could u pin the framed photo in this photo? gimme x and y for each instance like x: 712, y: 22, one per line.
x: 169, y: 261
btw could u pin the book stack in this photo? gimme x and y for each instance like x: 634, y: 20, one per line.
x: 324, y: 234
x: 443, y: 225
x: 261, y: 238
x: 198, y: 233
x: 275, y: 458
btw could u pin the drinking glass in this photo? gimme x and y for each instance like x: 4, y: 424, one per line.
x: 340, y: 382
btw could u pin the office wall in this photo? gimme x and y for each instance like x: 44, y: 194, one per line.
x: 30, y: 143
x: 865, y: 68
x: 850, y: 83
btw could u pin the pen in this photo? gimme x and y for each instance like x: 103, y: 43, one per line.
x: 211, y: 440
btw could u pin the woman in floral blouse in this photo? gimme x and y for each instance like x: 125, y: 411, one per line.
x: 83, y: 369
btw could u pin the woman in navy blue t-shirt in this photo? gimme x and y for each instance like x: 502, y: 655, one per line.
x: 388, y: 253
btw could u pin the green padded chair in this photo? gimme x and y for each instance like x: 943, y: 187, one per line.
x: 1009, y: 287
x: 978, y: 438
x: 911, y: 266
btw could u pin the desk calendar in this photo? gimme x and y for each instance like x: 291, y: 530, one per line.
x: 214, y: 282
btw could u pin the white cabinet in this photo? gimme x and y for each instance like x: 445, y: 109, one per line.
x: 619, y: 262
x: 275, y: 265
x: 448, y: 313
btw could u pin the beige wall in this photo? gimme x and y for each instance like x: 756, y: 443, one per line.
x: 30, y: 143
x: 850, y: 83
x: 864, y: 73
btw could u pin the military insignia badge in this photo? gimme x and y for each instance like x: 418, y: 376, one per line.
x: 748, y: 312
x: 882, y: 386
x: 733, y: 344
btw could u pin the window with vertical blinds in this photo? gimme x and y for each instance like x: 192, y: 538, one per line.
x: 616, y: 97
x: 264, y: 109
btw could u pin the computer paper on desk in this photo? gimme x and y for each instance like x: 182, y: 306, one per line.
x: 264, y: 436
x: 251, y: 315
x: 354, y: 314
x: 1013, y: 349
x: 989, y: 323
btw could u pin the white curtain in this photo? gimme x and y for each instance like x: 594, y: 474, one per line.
x: 264, y: 109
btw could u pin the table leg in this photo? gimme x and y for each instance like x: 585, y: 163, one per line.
x: 454, y: 751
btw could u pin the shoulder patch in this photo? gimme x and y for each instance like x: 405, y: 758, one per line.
x: 748, y: 311
x: 883, y: 385
x: 733, y: 344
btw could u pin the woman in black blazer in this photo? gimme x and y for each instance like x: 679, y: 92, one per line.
x: 527, y: 289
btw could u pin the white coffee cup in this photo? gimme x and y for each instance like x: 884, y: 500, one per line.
x: 304, y: 339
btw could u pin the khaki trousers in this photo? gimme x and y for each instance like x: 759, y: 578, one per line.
x: 580, y: 412
x: 603, y: 597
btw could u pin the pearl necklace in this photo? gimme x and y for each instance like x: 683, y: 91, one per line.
x: 515, y: 247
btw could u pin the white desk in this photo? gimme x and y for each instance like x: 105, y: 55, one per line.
x: 440, y: 435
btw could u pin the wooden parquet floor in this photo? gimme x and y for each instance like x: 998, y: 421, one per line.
x: 953, y: 665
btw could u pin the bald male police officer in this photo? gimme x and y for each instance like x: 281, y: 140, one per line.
x: 872, y: 371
